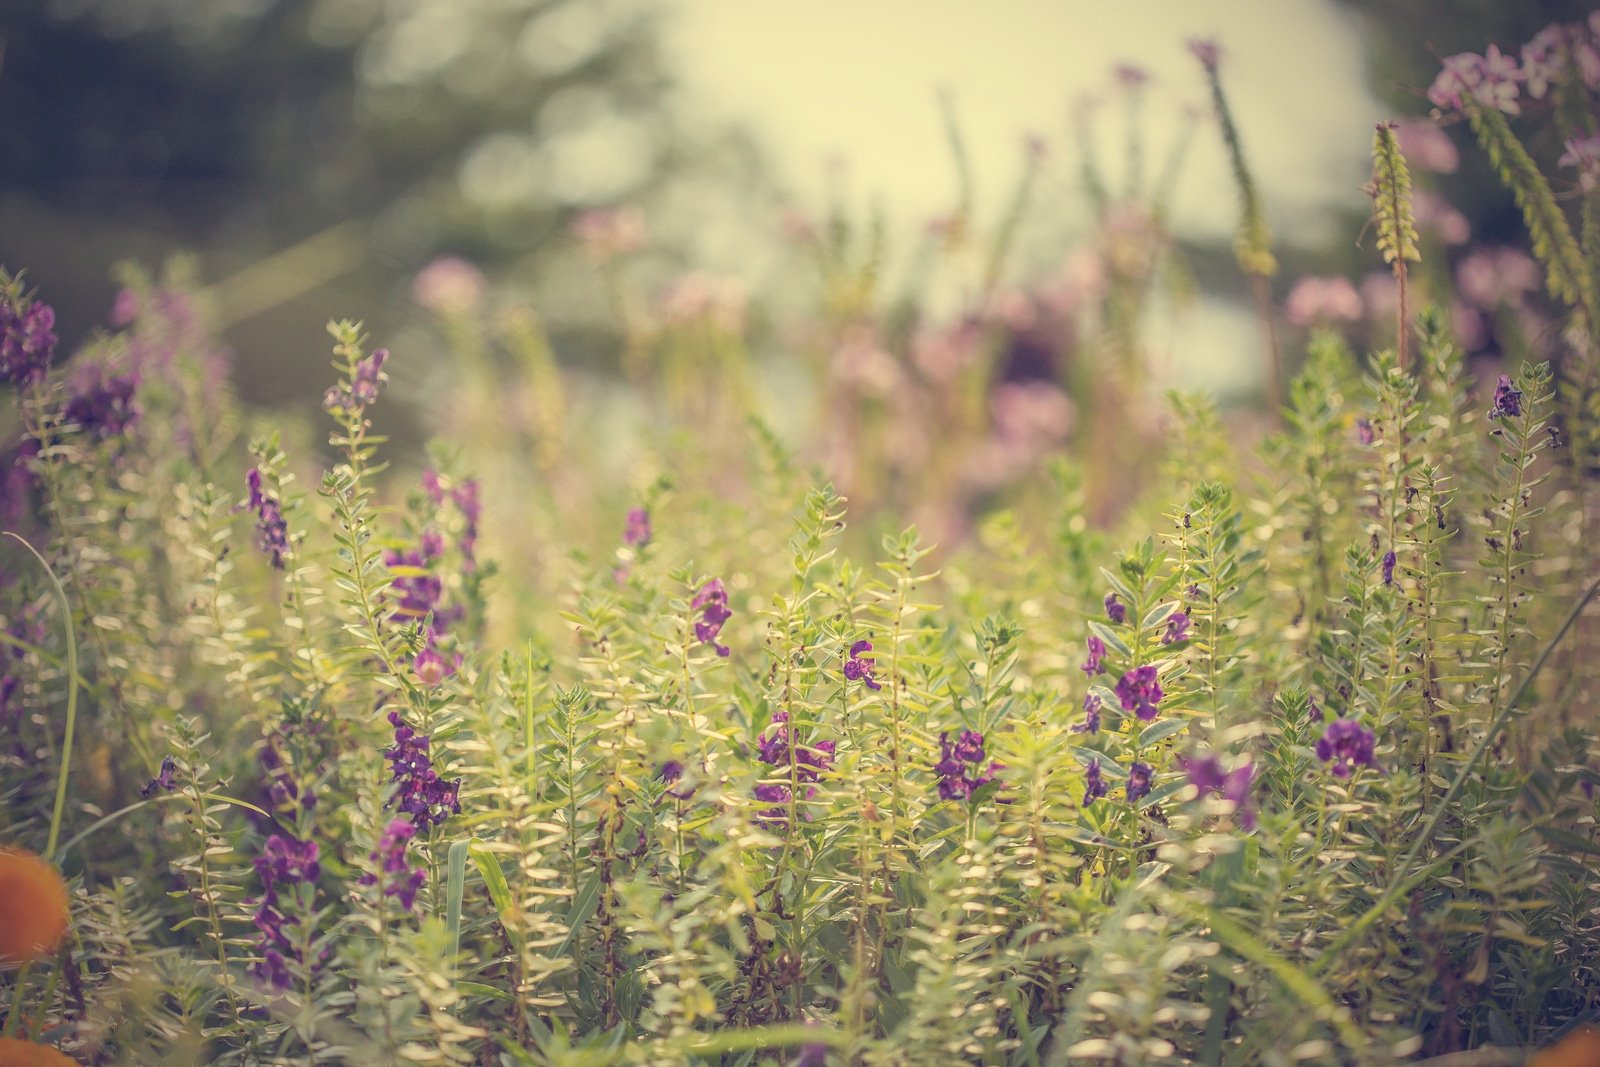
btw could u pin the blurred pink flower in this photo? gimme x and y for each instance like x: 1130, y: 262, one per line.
x: 1030, y: 415
x: 1327, y: 299
x: 697, y: 296
x: 861, y: 365
x: 1458, y: 76
x: 797, y: 226
x: 1541, y: 61
x: 1501, y: 76
x: 1130, y: 76
x: 1426, y: 146
x: 1434, y: 214
x: 1206, y: 50
x: 608, y: 232
x: 941, y: 354
x: 1492, y: 277
x: 1381, y: 294
x: 1583, y: 154
x: 449, y: 286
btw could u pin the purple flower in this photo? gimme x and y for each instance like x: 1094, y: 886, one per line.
x: 637, y: 530
x: 1388, y: 567
x: 1138, y: 781
x: 430, y: 667
x: 669, y: 773
x: 712, y: 604
x: 1313, y: 709
x: 102, y: 405
x: 810, y: 762
x: 1364, y: 431
x: 1091, y: 716
x: 1459, y: 75
x: 1206, y: 51
x: 1116, y: 610
x: 1139, y: 691
x: 284, y: 863
x: 1207, y: 776
x: 420, y: 792
x: 1094, y: 786
x: 1177, y: 628
x: 1507, y: 399
x: 366, y: 383
x: 1097, y: 651
x: 27, y: 342
x: 400, y: 879
x: 163, y: 782
x: 1345, y: 743
x: 960, y: 763
x: 471, y: 508
x: 272, y: 532
x: 1498, y: 88
x: 860, y: 670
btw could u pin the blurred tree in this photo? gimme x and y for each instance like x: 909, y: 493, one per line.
x: 381, y: 131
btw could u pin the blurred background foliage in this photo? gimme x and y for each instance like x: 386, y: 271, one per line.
x: 314, y: 154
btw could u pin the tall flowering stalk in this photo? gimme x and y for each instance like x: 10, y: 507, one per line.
x: 1397, y: 231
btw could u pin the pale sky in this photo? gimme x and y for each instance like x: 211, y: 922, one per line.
x: 857, y: 81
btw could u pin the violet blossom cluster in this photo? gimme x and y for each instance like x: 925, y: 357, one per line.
x: 100, y: 404
x: 810, y: 761
x: 1139, y: 691
x: 1140, y: 777
x: 712, y: 604
x: 272, y: 532
x: 1177, y: 628
x: 1094, y: 783
x: 960, y: 768
x: 27, y: 342
x: 366, y: 383
x: 1097, y: 653
x: 1507, y: 399
x: 283, y: 864
x: 1389, y: 561
x: 860, y: 670
x: 1498, y: 79
x: 1206, y: 774
x: 1116, y: 610
x: 280, y: 788
x: 419, y: 791
x: 165, y: 780
x: 400, y: 879
x: 636, y: 531
x: 1091, y: 716
x: 1345, y: 745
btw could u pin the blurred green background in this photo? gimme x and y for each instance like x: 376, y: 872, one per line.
x: 315, y: 154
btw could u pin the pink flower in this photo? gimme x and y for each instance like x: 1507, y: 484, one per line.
x: 1130, y: 76
x: 1206, y: 50
x: 1541, y: 61
x: 449, y: 286
x: 1493, y: 277
x: 1459, y: 75
x: 1585, y: 155
x: 1436, y: 215
x: 1501, y: 76
x: 1426, y: 146
x: 1323, y: 299
x: 608, y: 232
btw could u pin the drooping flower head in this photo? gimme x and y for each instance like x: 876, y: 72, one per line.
x: 1091, y: 716
x: 1094, y: 784
x: 1207, y: 775
x: 27, y: 341
x: 1097, y: 652
x: 1139, y: 691
x: 33, y: 904
x: 960, y: 768
x: 1345, y: 744
x: 712, y: 604
x: 272, y: 531
x: 1507, y: 399
x: 1139, y: 778
x: 860, y: 670
x: 400, y: 880
x: 419, y: 791
x: 1116, y: 610
x: 283, y: 864
x: 165, y: 780
x: 637, y: 531
x: 775, y: 749
x: 1177, y: 628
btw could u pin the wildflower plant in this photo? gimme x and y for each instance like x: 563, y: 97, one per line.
x: 1274, y: 761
